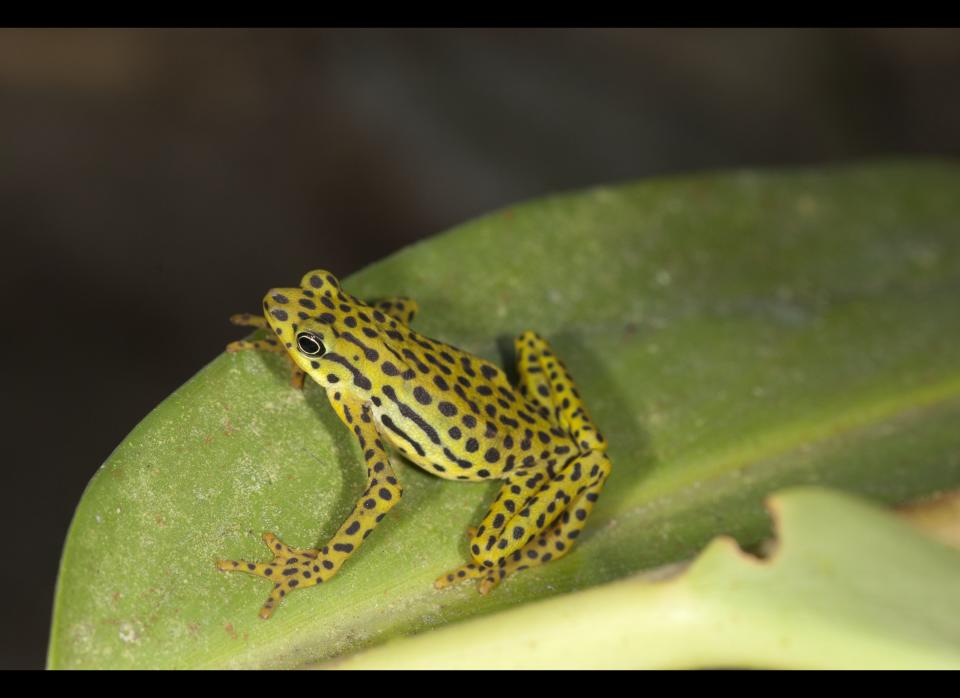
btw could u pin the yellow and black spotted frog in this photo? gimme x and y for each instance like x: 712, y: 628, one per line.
x: 449, y: 412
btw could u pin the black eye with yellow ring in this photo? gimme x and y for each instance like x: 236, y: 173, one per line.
x: 310, y: 344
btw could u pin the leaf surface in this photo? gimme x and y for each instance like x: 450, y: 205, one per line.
x: 849, y: 586
x: 732, y: 334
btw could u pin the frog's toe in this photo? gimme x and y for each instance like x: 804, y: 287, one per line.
x: 230, y: 565
x: 297, y: 378
x: 282, y: 551
x: 268, y: 345
x: 469, y: 571
x: 290, y: 569
x: 248, y: 320
x: 276, y: 596
x: 276, y: 546
x: 488, y: 583
x: 267, y: 570
x: 284, y: 556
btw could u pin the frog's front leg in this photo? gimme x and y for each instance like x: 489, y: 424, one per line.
x: 269, y: 344
x: 298, y: 568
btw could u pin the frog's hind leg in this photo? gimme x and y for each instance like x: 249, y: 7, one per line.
x: 545, y: 380
x: 560, y: 536
x: 536, y: 518
x: 541, y: 510
x: 268, y: 344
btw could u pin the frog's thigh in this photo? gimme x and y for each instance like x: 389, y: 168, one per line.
x: 488, y: 541
x: 545, y: 380
x: 526, y: 505
x: 559, y: 536
x: 562, y: 519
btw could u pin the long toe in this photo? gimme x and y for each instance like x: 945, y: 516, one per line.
x: 276, y: 596
x: 283, y: 552
x: 490, y: 582
x: 464, y: 572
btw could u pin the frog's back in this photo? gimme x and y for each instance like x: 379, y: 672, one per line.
x: 451, y: 412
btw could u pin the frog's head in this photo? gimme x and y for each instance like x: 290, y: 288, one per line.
x: 324, y: 329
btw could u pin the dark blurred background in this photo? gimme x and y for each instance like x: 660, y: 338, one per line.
x: 153, y: 182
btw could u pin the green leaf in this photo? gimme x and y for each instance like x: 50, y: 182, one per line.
x: 732, y: 334
x: 849, y: 587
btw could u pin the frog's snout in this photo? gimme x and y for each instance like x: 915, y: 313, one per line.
x: 278, y: 308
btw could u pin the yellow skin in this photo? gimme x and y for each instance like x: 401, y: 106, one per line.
x: 451, y: 413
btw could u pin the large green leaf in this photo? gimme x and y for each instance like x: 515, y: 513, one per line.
x: 732, y: 334
x: 848, y: 586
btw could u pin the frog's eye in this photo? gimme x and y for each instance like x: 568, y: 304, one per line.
x: 309, y: 344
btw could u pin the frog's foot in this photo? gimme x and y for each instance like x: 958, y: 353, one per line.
x: 469, y: 571
x: 489, y: 577
x: 291, y: 568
